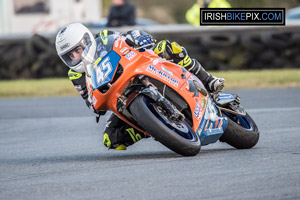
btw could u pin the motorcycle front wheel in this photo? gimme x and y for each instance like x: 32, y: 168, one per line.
x: 174, y: 134
x: 241, y: 133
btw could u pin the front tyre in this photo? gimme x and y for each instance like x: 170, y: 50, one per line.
x: 241, y: 133
x: 175, y: 135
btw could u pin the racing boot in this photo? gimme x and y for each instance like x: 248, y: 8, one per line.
x: 177, y: 54
x: 118, y: 135
x: 211, y: 83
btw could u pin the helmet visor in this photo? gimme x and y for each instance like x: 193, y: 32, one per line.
x: 73, y: 56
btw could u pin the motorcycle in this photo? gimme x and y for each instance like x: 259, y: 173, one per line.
x: 162, y: 99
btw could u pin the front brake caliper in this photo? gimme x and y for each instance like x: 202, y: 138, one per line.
x: 171, y: 110
x: 237, y: 108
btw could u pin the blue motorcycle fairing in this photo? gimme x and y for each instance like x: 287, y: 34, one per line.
x: 212, y: 126
x: 104, y: 70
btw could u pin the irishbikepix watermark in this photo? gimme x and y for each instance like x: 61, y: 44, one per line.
x: 242, y: 16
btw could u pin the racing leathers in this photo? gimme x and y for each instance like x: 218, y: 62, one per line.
x: 118, y: 134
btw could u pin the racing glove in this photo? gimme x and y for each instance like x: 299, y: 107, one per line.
x: 173, y: 52
x: 138, y: 38
x: 144, y: 40
x: 91, y: 107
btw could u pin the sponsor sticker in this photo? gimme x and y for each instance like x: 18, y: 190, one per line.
x: 206, y: 125
x: 216, y: 123
x: 94, y: 101
x: 163, y: 75
x: 212, y: 112
x: 211, y: 126
x: 220, y: 124
x: 131, y: 55
x: 203, y: 102
x: 198, y: 111
x: 78, y: 87
x: 97, y: 62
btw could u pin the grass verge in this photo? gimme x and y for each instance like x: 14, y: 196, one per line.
x: 281, y: 78
x: 37, y: 88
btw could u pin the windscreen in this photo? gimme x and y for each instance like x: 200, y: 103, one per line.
x: 104, y: 63
x: 104, y: 45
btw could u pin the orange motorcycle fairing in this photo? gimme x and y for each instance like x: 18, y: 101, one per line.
x: 134, y: 64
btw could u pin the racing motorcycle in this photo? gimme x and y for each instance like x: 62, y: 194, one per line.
x: 162, y: 99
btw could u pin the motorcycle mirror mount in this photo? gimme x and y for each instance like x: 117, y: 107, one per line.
x: 200, y: 89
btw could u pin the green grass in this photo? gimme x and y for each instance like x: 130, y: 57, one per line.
x: 282, y: 78
x: 37, y: 88
x: 279, y: 78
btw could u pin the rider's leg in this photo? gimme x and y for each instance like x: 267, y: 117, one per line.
x: 212, y: 83
x: 176, y: 53
x: 119, y: 135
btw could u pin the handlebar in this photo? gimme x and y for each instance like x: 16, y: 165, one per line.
x: 141, y: 47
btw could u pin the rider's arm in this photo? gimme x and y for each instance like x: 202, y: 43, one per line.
x: 78, y: 80
x: 165, y: 49
x: 175, y: 53
x: 178, y: 54
x: 134, y: 38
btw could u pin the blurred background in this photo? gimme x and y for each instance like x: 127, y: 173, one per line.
x: 166, y: 12
x: 28, y: 29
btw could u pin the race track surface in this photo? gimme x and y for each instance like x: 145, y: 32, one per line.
x: 51, y: 148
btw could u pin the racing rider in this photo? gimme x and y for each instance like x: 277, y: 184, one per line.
x: 74, y: 38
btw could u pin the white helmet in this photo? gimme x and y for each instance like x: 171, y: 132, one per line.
x: 69, y: 38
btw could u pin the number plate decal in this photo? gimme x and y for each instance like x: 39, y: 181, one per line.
x: 104, y: 71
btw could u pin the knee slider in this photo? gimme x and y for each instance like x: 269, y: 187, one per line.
x: 106, y: 140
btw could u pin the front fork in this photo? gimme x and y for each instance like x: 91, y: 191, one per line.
x: 171, y: 111
x: 152, y: 92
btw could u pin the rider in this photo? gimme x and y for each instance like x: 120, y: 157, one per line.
x: 74, y: 38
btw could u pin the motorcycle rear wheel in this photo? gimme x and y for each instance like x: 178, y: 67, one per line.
x: 182, y: 139
x: 241, y: 133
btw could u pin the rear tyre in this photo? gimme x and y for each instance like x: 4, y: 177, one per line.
x: 241, y: 133
x: 175, y: 135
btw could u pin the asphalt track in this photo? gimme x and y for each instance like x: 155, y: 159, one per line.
x: 50, y: 148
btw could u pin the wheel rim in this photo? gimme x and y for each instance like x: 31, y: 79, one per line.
x: 240, y: 120
x: 180, y: 128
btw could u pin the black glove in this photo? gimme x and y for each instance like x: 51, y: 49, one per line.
x: 91, y: 107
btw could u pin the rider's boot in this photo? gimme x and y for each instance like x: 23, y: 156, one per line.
x: 211, y: 83
x: 119, y: 135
